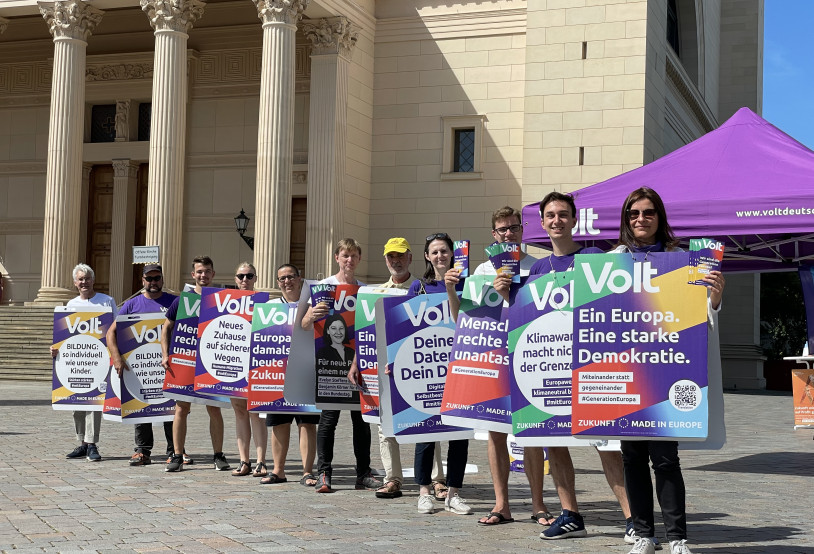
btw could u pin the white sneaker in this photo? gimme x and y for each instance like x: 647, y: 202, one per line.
x: 456, y: 505
x: 678, y: 547
x: 643, y: 546
x: 426, y: 504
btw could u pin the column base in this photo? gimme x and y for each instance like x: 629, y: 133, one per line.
x: 52, y: 296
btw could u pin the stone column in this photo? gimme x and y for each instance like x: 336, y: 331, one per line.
x: 71, y: 23
x: 172, y: 20
x: 125, y: 177
x: 332, y: 44
x: 275, y: 137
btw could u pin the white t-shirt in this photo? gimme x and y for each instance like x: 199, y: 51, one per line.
x: 97, y: 299
x: 486, y: 268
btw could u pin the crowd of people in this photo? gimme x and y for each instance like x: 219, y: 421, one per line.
x: 643, y: 228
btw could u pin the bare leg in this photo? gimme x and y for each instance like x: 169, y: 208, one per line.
x: 308, y: 446
x: 280, y: 437
x: 179, y: 426
x: 261, y: 435
x: 562, y: 470
x: 498, y: 452
x: 534, y: 463
x: 614, y: 473
x: 215, y: 428
x: 243, y: 430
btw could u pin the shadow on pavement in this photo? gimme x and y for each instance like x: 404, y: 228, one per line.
x: 777, y: 463
x: 33, y: 402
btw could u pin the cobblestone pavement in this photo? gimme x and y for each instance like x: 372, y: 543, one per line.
x: 752, y: 496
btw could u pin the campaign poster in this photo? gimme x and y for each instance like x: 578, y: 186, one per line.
x: 300, y: 383
x: 366, y: 354
x: 802, y: 386
x: 640, y: 348
x: 272, y: 326
x: 224, y: 341
x: 142, y: 395
x: 414, y: 341
x: 540, y: 348
x: 179, y: 380
x: 476, y: 393
x: 334, y: 342
x: 82, y: 362
x: 516, y: 452
x: 112, y: 407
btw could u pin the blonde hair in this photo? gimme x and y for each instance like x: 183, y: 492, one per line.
x: 349, y: 245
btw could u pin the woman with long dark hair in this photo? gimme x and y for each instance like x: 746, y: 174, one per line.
x: 438, y: 250
x: 644, y: 228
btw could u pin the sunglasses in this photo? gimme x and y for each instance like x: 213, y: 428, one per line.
x: 241, y: 276
x: 153, y: 279
x: 649, y: 213
x: 285, y: 278
x: 503, y: 230
x: 441, y: 236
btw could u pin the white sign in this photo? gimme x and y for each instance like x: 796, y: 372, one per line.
x: 146, y: 254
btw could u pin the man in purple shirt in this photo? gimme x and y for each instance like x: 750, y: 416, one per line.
x: 151, y: 300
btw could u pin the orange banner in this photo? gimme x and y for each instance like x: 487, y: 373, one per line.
x: 802, y: 383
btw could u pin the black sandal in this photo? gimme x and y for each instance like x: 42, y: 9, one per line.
x: 257, y: 470
x: 242, y: 470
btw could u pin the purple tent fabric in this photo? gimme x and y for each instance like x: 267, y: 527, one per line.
x: 746, y: 183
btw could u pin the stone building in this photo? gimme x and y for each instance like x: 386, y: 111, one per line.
x: 156, y: 122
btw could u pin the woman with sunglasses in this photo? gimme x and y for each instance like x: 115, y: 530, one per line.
x: 438, y: 251
x: 644, y: 228
x: 248, y: 425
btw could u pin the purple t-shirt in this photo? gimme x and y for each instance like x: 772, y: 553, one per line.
x: 142, y: 305
x: 431, y: 288
x: 560, y: 263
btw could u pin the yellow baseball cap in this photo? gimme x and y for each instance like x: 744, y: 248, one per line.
x: 396, y: 244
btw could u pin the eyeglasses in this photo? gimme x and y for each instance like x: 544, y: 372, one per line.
x: 285, y: 278
x: 153, y: 278
x: 241, y: 276
x: 442, y: 236
x: 503, y: 230
x: 648, y: 213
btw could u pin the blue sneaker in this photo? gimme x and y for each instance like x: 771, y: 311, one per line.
x: 569, y: 524
x: 631, y: 536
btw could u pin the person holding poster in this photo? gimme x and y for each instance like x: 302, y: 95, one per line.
x: 87, y: 423
x: 438, y: 250
x: 644, y: 228
x: 203, y: 271
x: 506, y: 227
x: 558, y: 216
x: 152, y: 300
x: 290, y: 282
x: 398, y: 256
x: 248, y: 424
x: 347, y: 254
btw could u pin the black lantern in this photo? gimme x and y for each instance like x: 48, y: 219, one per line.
x: 241, y: 224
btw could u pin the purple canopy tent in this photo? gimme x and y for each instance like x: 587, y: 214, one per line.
x: 746, y: 183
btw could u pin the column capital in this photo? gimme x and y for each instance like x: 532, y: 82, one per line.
x: 331, y: 36
x: 74, y: 19
x: 3, y: 25
x: 173, y: 15
x: 280, y: 11
x: 124, y: 167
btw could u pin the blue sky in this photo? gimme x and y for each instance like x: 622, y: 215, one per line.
x: 788, y: 67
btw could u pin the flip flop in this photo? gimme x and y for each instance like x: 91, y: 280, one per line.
x: 391, y: 489
x: 308, y: 477
x: 545, y: 516
x: 501, y: 519
x: 260, y: 470
x: 272, y: 479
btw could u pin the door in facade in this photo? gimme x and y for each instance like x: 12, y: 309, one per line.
x: 297, y: 253
x: 140, y: 221
x: 100, y: 224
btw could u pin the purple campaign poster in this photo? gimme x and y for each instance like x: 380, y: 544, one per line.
x: 477, y: 389
x: 142, y: 396
x: 82, y: 362
x: 640, y: 348
x: 414, y: 339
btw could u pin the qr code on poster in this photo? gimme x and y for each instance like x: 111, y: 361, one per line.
x: 685, y: 395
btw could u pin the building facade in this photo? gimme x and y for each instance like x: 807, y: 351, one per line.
x: 156, y: 122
